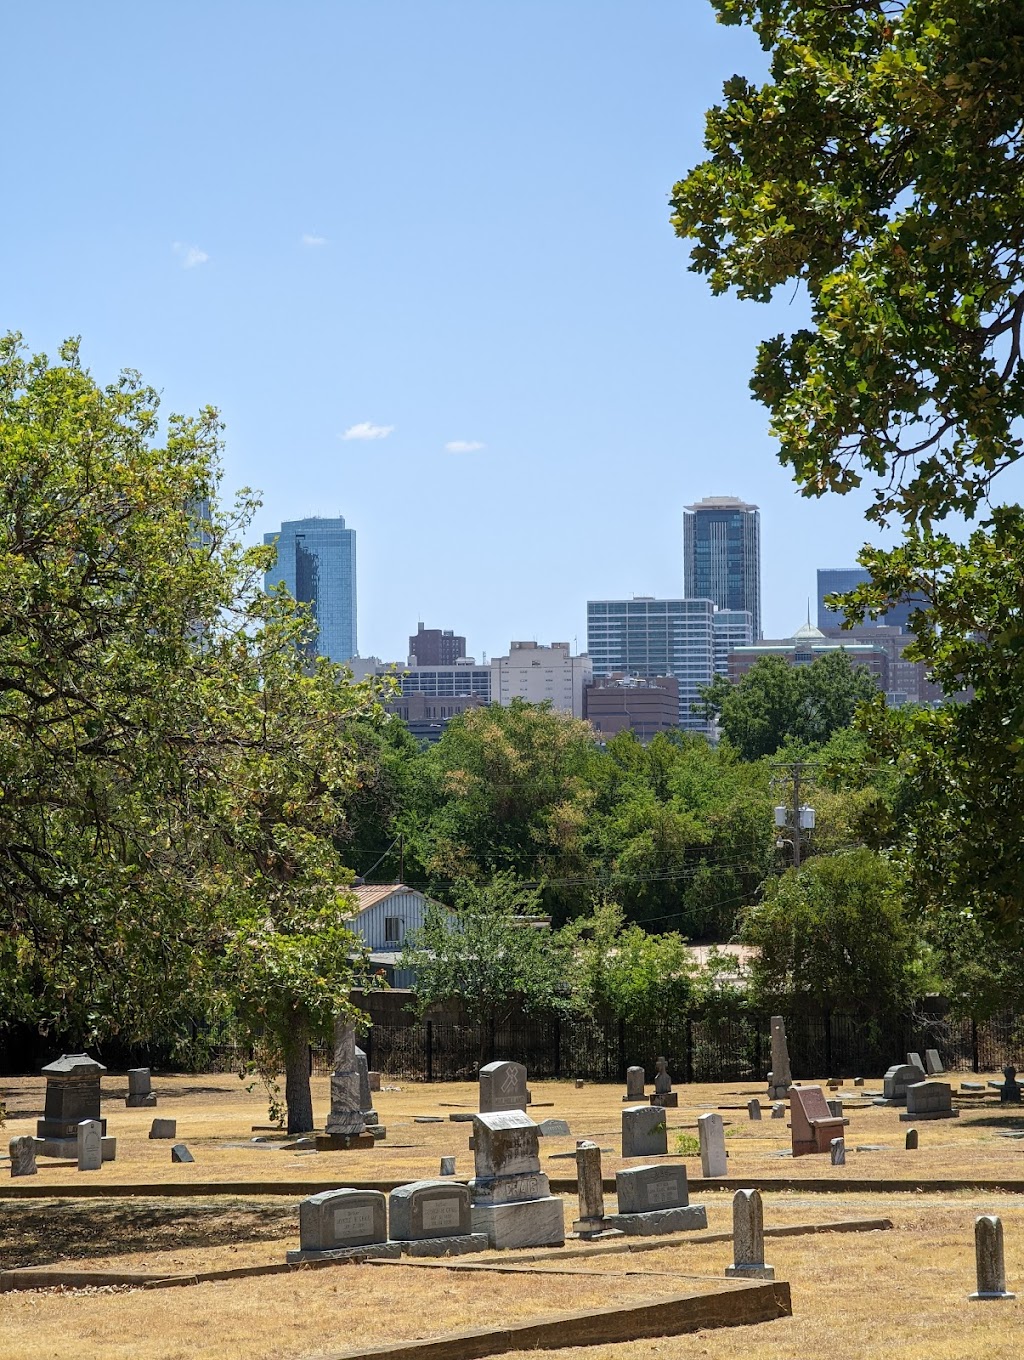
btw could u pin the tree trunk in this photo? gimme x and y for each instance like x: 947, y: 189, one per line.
x: 298, y: 1093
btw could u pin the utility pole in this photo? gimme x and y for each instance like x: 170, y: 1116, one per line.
x: 795, y: 817
x: 797, y: 771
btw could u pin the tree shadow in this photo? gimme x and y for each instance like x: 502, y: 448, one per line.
x: 1000, y: 1121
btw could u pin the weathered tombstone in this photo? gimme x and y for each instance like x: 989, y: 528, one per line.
x: 837, y: 1148
x: 644, y: 1131
x: 590, y: 1186
x: 754, y: 1109
x: 653, y: 1200
x: 929, y: 1100
x: 780, y: 1078
x: 433, y: 1218
x: 180, y: 1153
x: 512, y: 1201
x: 663, y: 1093
x: 90, y: 1145
x: 23, y: 1156
x: 1009, y: 1092
x: 370, y: 1116
x: 447, y: 1166
x: 779, y: 1109
x: 933, y: 1062
x: 344, y: 1223
x: 895, y: 1083
x: 140, y: 1088
x: 502, y: 1087
x: 164, y: 1128
x: 72, y: 1095
x: 711, y: 1133
x: 636, y: 1080
x: 553, y: 1128
x: 914, y: 1060
x: 858, y: 1081
x: 911, y: 1140
x: 748, y: 1237
x: 989, y: 1262
x: 345, y: 1126
x: 109, y: 1148
x: 374, y: 1079
x: 835, y: 1107
x: 579, y: 1083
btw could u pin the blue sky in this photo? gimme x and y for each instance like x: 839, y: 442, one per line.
x: 441, y: 224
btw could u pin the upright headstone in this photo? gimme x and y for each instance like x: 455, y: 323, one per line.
x: 653, y: 1200
x: 140, y: 1088
x: 711, y: 1134
x: 344, y: 1224
x: 835, y: 1107
x: 346, y: 1127
x: 911, y: 1140
x: 72, y: 1095
x: 644, y: 1131
x: 663, y: 1093
x: 163, y: 1128
x: 933, y: 1062
x: 780, y: 1078
x: 754, y: 1109
x: 929, y: 1100
x: 447, y: 1166
x: 512, y: 1201
x: 837, y: 1147
x: 779, y: 1109
x: 370, y: 1116
x: 23, y: 1156
x: 748, y: 1237
x: 989, y: 1261
x: 914, y: 1060
x: 895, y: 1083
x: 180, y: 1153
x: 590, y: 1186
x: 502, y: 1087
x: 433, y: 1218
x: 90, y: 1145
x: 1009, y: 1092
x: 635, y: 1081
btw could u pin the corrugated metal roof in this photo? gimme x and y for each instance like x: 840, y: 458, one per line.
x: 368, y: 894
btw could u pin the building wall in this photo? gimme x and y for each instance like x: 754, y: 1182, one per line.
x: 436, y: 647
x: 838, y: 580
x: 538, y: 673
x: 733, y: 628
x: 316, y: 561
x: 407, y: 905
x: 871, y: 658
x: 646, y: 707
x: 722, y: 555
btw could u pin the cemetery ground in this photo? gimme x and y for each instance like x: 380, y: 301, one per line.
x: 854, y: 1294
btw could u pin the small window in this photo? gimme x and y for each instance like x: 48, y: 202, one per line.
x: 393, y: 927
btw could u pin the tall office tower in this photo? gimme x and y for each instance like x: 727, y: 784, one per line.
x: 649, y: 638
x: 538, y: 674
x: 436, y: 647
x: 733, y: 628
x: 316, y: 560
x: 837, y: 580
x: 722, y: 555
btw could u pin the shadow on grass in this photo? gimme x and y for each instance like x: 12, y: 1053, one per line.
x: 63, y: 1232
x: 1000, y: 1121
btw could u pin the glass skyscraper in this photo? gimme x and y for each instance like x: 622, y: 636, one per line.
x: 722, y: 555
x: 316, y: 560
x: 838, y: 580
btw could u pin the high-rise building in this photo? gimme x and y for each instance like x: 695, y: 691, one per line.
x: 436, y: 647
x: 733, y: 628
x: 838, y: 580
x: 537, y: 674
x: 650, y: 638
x: 722, y: 555
x: 620, y: 702
x: 316, y: 560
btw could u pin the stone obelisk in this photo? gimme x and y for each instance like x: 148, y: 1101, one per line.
x: 345, y: 1124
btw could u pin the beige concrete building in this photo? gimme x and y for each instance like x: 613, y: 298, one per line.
x: 536, y: 673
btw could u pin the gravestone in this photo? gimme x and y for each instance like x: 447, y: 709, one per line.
x: 911, y: 1140
x: 644, y: 1132
x: 895, y: 1083
x: 512, y: 1201
x: 754, y: 1109
x: 447, y: 1166
x: 711, y: 1133
x: 140, y: 1088
x: 90, y: 1145
x: 653, y: 1200
x: 180, y: 1153
x: 748, y: 1237
x: 989, y: 1262
x: 636, y: 1079
x: 663, y: 1093
x: 502, y: 1087
x: 929, y: 1100
x: 72, y: 1095
x: 109, y: 1146
x: 579, y: 1083
x: 1009, y: 1092
x: 23, y: 1156
x: 780, y: 1078
x: 914, y: 1060
x: 837, y: 1147
x: 370, y: 1116
x: 342, y: 1224
x: 858, y: 1081
x: 433, y: 1218
x: 835, y: 1107
x: 933, y: 1062
x: 374, y: 1079
x: 553, y: 1128
x: 779, y: 1109
x: 350, y: 1089
x: 590, y: 1187
x: 164, y: 1128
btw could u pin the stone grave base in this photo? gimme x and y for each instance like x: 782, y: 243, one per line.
x: 929, y: 1114
x: 109, y: 1146
x: 750, y: 1272
x: 139, y: 1102
x: 464, y: 1245
x: 376, y: 1132
x: 526, y: 1223
x: 886, y: 1101
x: 684, y: 1218
x: 373, y: 1251
x: 339, y: 1142
x: 586, y: 1232
x: 670, y: 1101
x: 56, y: 1147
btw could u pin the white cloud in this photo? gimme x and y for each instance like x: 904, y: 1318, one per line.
x: 311, y: 239
x: 463, y: 446
x: 367, y: 430
x: 190, y: 256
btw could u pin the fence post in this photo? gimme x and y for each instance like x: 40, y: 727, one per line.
x: 430, y: 1050
x: 558, y: 1045
x: 975, y: 1063
x: 828, y: 1045
x: 689, y: 1049
x: 368, y: 1041
x: 622, y: 1051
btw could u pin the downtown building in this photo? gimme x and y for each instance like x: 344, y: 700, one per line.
x: 316, y: 562
x: 722, y: 555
